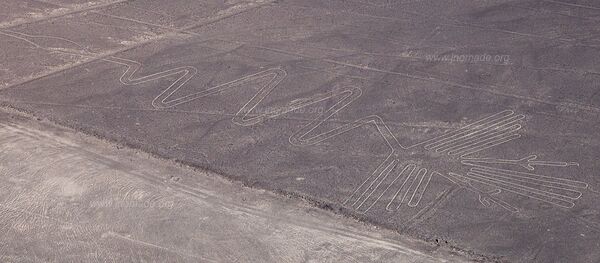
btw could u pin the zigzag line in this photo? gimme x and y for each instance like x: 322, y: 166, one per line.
x: 244, y: 116
x: 415, y: 181
x: 486, y: 133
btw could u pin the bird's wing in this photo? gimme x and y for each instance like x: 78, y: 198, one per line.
x: 557, y: 191
x: 480, y: 135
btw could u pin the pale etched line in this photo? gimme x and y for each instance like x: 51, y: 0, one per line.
x: 151, y: 11
x: 572, y: 4
x: 415, y: 179
x: 544, y: 186
x: 376, y: 172
x: 298, y: 137
x: 500, y: 135
x: 186, y: 74
x: 278, y: 76
x: 568, y: 40
x: 421, y: 188
x: 144, y: 243
x: 495, y: 121
x: 567, y: 192
x: 92, y: 57
x: 526, y: 162
x: 530, y: 176
x: 480, y: 123
x: 547, y: 184
x: 459, y: 24
x: 475, y: 138
x: 89, y: 59
x: 406, y: 167
x: 430, y: 208
x: 410, y: 57
x: 368, y: 68
x: 348, y: 95
x: 473, y: 126
x: 530, y: 193
x: 466, y: 134
x: 550, y: 163
x: 481, y: 138
x: 387, y: 134
x: 216, y: 113
x: 189, y: 72
x: 386, y: 171
x: 412, y: 76
x: 424, y: 78
x: 467, y: 152
x: 401, y: 187
x: 487, y: 202
x: 61, y: 14
x: 441, y: 24
x: 472, y: 137
x: 549, y: 11
x: 21, y: 38
x: 485, y: 198
x: 478, y: 132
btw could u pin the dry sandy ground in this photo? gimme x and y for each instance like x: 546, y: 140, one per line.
x: 67, y: 198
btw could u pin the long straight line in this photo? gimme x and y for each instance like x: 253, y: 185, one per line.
x: 237, y: 10
x: 232, y: 11
x: 71, y: 12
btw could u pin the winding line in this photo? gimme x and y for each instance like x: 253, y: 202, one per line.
x: 478, y: 136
